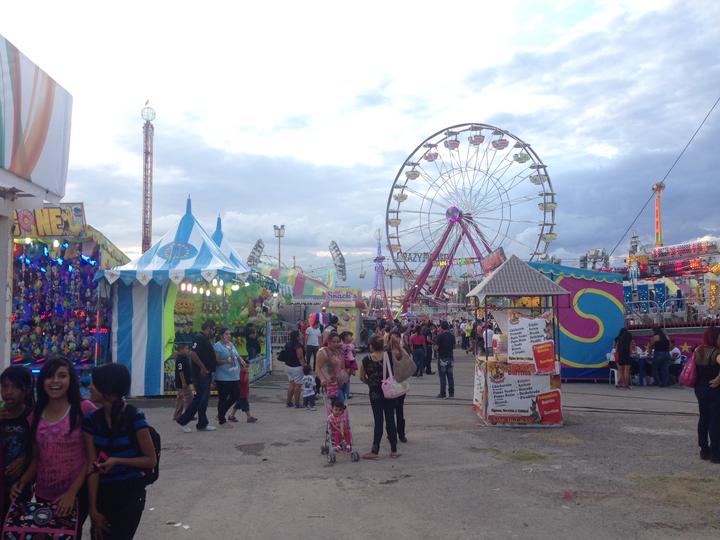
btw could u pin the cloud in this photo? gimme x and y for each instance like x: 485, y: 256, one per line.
x: 310, y: 126
x: 372, y: 99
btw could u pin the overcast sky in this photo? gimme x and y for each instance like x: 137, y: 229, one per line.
x: 301, y: 113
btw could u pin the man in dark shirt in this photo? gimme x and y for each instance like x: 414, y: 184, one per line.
x: 429, y: 342
x: 183, y: 379
x: 445, y: 342
x: 204, y: 359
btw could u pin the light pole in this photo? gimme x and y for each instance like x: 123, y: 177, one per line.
x: 389, y: 273
x: 279, y: 234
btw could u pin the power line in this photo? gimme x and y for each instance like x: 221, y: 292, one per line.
x: 642, y: 209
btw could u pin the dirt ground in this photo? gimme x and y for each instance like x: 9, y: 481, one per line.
x: 625, y: 465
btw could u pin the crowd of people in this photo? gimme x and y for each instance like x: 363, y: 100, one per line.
x: 199, y: 363
x: 80, y: 457
x: 321, y: 362
x: 661, y: 364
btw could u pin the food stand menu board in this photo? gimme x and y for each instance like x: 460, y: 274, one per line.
x: 523, y: 387
x: 524, y: 332
x: 516, y: 397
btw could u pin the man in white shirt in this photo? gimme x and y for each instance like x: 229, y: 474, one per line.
x: 488, y: 336
x: 676, y: 359
x: 312, y: 342
x: 675, y: 353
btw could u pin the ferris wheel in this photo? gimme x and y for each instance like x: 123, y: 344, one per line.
x: 459, y: 199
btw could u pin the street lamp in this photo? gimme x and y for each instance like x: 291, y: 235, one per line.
x: 389, y: 273
x: 279, y: 234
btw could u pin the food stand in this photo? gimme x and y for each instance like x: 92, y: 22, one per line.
x: 520, y: 384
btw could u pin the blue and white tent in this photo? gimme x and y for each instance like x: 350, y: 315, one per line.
x: 144, y: 301
x: 219, y: 238
x: 185, y: 252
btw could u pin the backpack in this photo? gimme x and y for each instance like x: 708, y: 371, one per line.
x: 151, y: 475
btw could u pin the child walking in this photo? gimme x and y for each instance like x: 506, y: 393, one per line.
x: 243, y: 400
x: 308, y: 388
x: 60, y: 460
x: 119, y: 444
x: 17, y: 395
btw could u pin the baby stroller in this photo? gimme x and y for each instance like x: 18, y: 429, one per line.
x: 343, y: 441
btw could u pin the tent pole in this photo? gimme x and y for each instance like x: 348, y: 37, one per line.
x: 556, y: 330
x: 486, y: 323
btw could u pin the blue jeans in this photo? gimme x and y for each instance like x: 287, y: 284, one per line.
x: 446, y: 373
x: 641, y: 370
x: 419, y: 359
x: 428, y: 360
x: 709, y: 422
x: 343, y: 391
x: 661, y: 368
x: 199, y: 404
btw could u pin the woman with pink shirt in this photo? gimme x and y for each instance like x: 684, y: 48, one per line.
x: 60, y: 460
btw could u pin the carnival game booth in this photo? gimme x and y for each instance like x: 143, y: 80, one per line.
x: 520, y: 384
x: 589, y: 319
x: 58, y: 308
x: 144, y: 294
x: 348, y: 306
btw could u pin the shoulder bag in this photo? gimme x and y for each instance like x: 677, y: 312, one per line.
x: 688, y: 375
x: 403, y: 368
x: 391, y: 388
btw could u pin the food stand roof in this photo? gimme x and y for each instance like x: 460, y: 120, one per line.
x: 516, y: 278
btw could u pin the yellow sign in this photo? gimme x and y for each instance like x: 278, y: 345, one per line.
x: 66, y: 219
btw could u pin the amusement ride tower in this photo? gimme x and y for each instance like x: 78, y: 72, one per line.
x: 148, y: 114
x: 658, y: 188
x: 378, y: 306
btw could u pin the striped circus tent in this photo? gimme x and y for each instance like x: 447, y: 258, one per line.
x: 219, y: 238
x: 144, y: 293
x: 185, y: 252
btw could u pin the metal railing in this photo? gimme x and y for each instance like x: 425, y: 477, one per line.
x: 642, y: 312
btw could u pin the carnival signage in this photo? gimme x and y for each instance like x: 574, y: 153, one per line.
x: 67, y: 219
x: 342, y: 297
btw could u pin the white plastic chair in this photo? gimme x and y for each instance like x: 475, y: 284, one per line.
x: 613, y: 374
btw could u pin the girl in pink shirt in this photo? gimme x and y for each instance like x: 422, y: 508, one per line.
x: 60, y: 460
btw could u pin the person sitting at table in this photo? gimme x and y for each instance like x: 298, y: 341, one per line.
x: 639, y: 362
x: 676, y: 362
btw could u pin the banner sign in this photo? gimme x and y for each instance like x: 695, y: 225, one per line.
x: 63, y: 220
x: 342, y: 297
x: 515, y: 396
x: 34, y: 123
x: 493, y: 260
